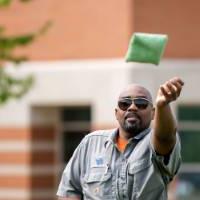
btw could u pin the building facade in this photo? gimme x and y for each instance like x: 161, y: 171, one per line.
x: 79, y: 69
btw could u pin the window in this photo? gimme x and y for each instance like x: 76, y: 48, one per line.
x: 189, y: 129
x: 188, y: 180
x: 75, y: 124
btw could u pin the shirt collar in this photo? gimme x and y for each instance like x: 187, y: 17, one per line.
x: 142, y: 134
x: 115, y: 132
x: 112, y: 137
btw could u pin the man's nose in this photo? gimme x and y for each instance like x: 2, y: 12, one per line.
x: 132, y: 107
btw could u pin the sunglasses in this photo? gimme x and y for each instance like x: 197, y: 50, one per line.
x: 141, y: 103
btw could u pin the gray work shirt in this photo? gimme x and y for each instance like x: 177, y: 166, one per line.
x: 98, y: 170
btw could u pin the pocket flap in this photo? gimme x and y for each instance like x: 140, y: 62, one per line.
x: 98, y: 175
x: 139, y: 165
x: 93, y: 177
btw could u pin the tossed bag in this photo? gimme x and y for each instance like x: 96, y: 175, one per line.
x: 146, y: 48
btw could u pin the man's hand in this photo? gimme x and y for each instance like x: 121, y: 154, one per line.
x: 169, y: 91
x: 164, y: 137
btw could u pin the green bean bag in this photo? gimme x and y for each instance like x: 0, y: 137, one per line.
x: 146, y: 48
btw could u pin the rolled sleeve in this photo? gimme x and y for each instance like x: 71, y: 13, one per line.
x: 70, y: 184
x: 168, y: 165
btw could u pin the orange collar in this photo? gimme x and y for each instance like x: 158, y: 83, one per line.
x: 121, y: 143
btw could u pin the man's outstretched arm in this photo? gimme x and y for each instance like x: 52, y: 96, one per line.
x: 164, y: 137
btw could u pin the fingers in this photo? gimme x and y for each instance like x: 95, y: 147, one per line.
x: 177, y: 84
x: 172, y: 89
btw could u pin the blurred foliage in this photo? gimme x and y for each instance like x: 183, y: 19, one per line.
x: 11, y: 86
x: 8, y: 2
x: 9, y: 43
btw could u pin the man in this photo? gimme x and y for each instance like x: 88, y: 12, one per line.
x: 134, y: 161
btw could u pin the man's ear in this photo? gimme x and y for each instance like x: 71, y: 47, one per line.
x: 116, y: 110
x: 153, y: 113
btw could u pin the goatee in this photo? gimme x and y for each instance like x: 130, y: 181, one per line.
x: 131, y: 128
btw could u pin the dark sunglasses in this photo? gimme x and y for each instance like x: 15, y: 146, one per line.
x: 140, y: 103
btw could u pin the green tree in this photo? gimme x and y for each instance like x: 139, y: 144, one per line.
x: 11, y: 86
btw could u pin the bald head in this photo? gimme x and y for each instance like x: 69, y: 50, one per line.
x: 133, y: 117
x: 135, y: 90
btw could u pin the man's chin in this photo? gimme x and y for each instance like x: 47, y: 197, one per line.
x: 132, y: 129
x: 132, y: 125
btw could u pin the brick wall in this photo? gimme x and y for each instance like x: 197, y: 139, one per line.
x: 102, y: 29
x: 179, y: 19
x: 27, y: 163
x: 81, y: 29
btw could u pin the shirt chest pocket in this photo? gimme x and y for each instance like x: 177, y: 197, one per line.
x: 98, y: 175
x: 144, y: 177
x: 136, y: 166
x: 98, y: 182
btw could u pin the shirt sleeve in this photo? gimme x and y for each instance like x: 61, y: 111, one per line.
x: 170, y: 164
x: 70, y: 184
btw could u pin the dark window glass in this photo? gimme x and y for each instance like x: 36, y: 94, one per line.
x: 190, y: 133
x: 80, y: 113
x: 190, y: 141
x: 70, y: 141
x: 76, y: 123
x: 189, y: 113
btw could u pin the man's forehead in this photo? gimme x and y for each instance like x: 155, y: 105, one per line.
x: 134, y: 90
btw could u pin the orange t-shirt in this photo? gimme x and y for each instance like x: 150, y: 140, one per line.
x: 121, y: 143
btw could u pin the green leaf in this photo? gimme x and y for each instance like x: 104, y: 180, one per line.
x: 13, y: 42
x: 4, y: 3
x: 24, y: 1
x: 12, y: 87
x: 6, y: 56
x: 1, y: 29
x: 45, y: 28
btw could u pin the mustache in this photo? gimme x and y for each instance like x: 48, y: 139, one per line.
x: 132, y: 114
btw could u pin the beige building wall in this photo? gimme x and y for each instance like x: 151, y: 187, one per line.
x: 30, y: 138
x: 30, y: 132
